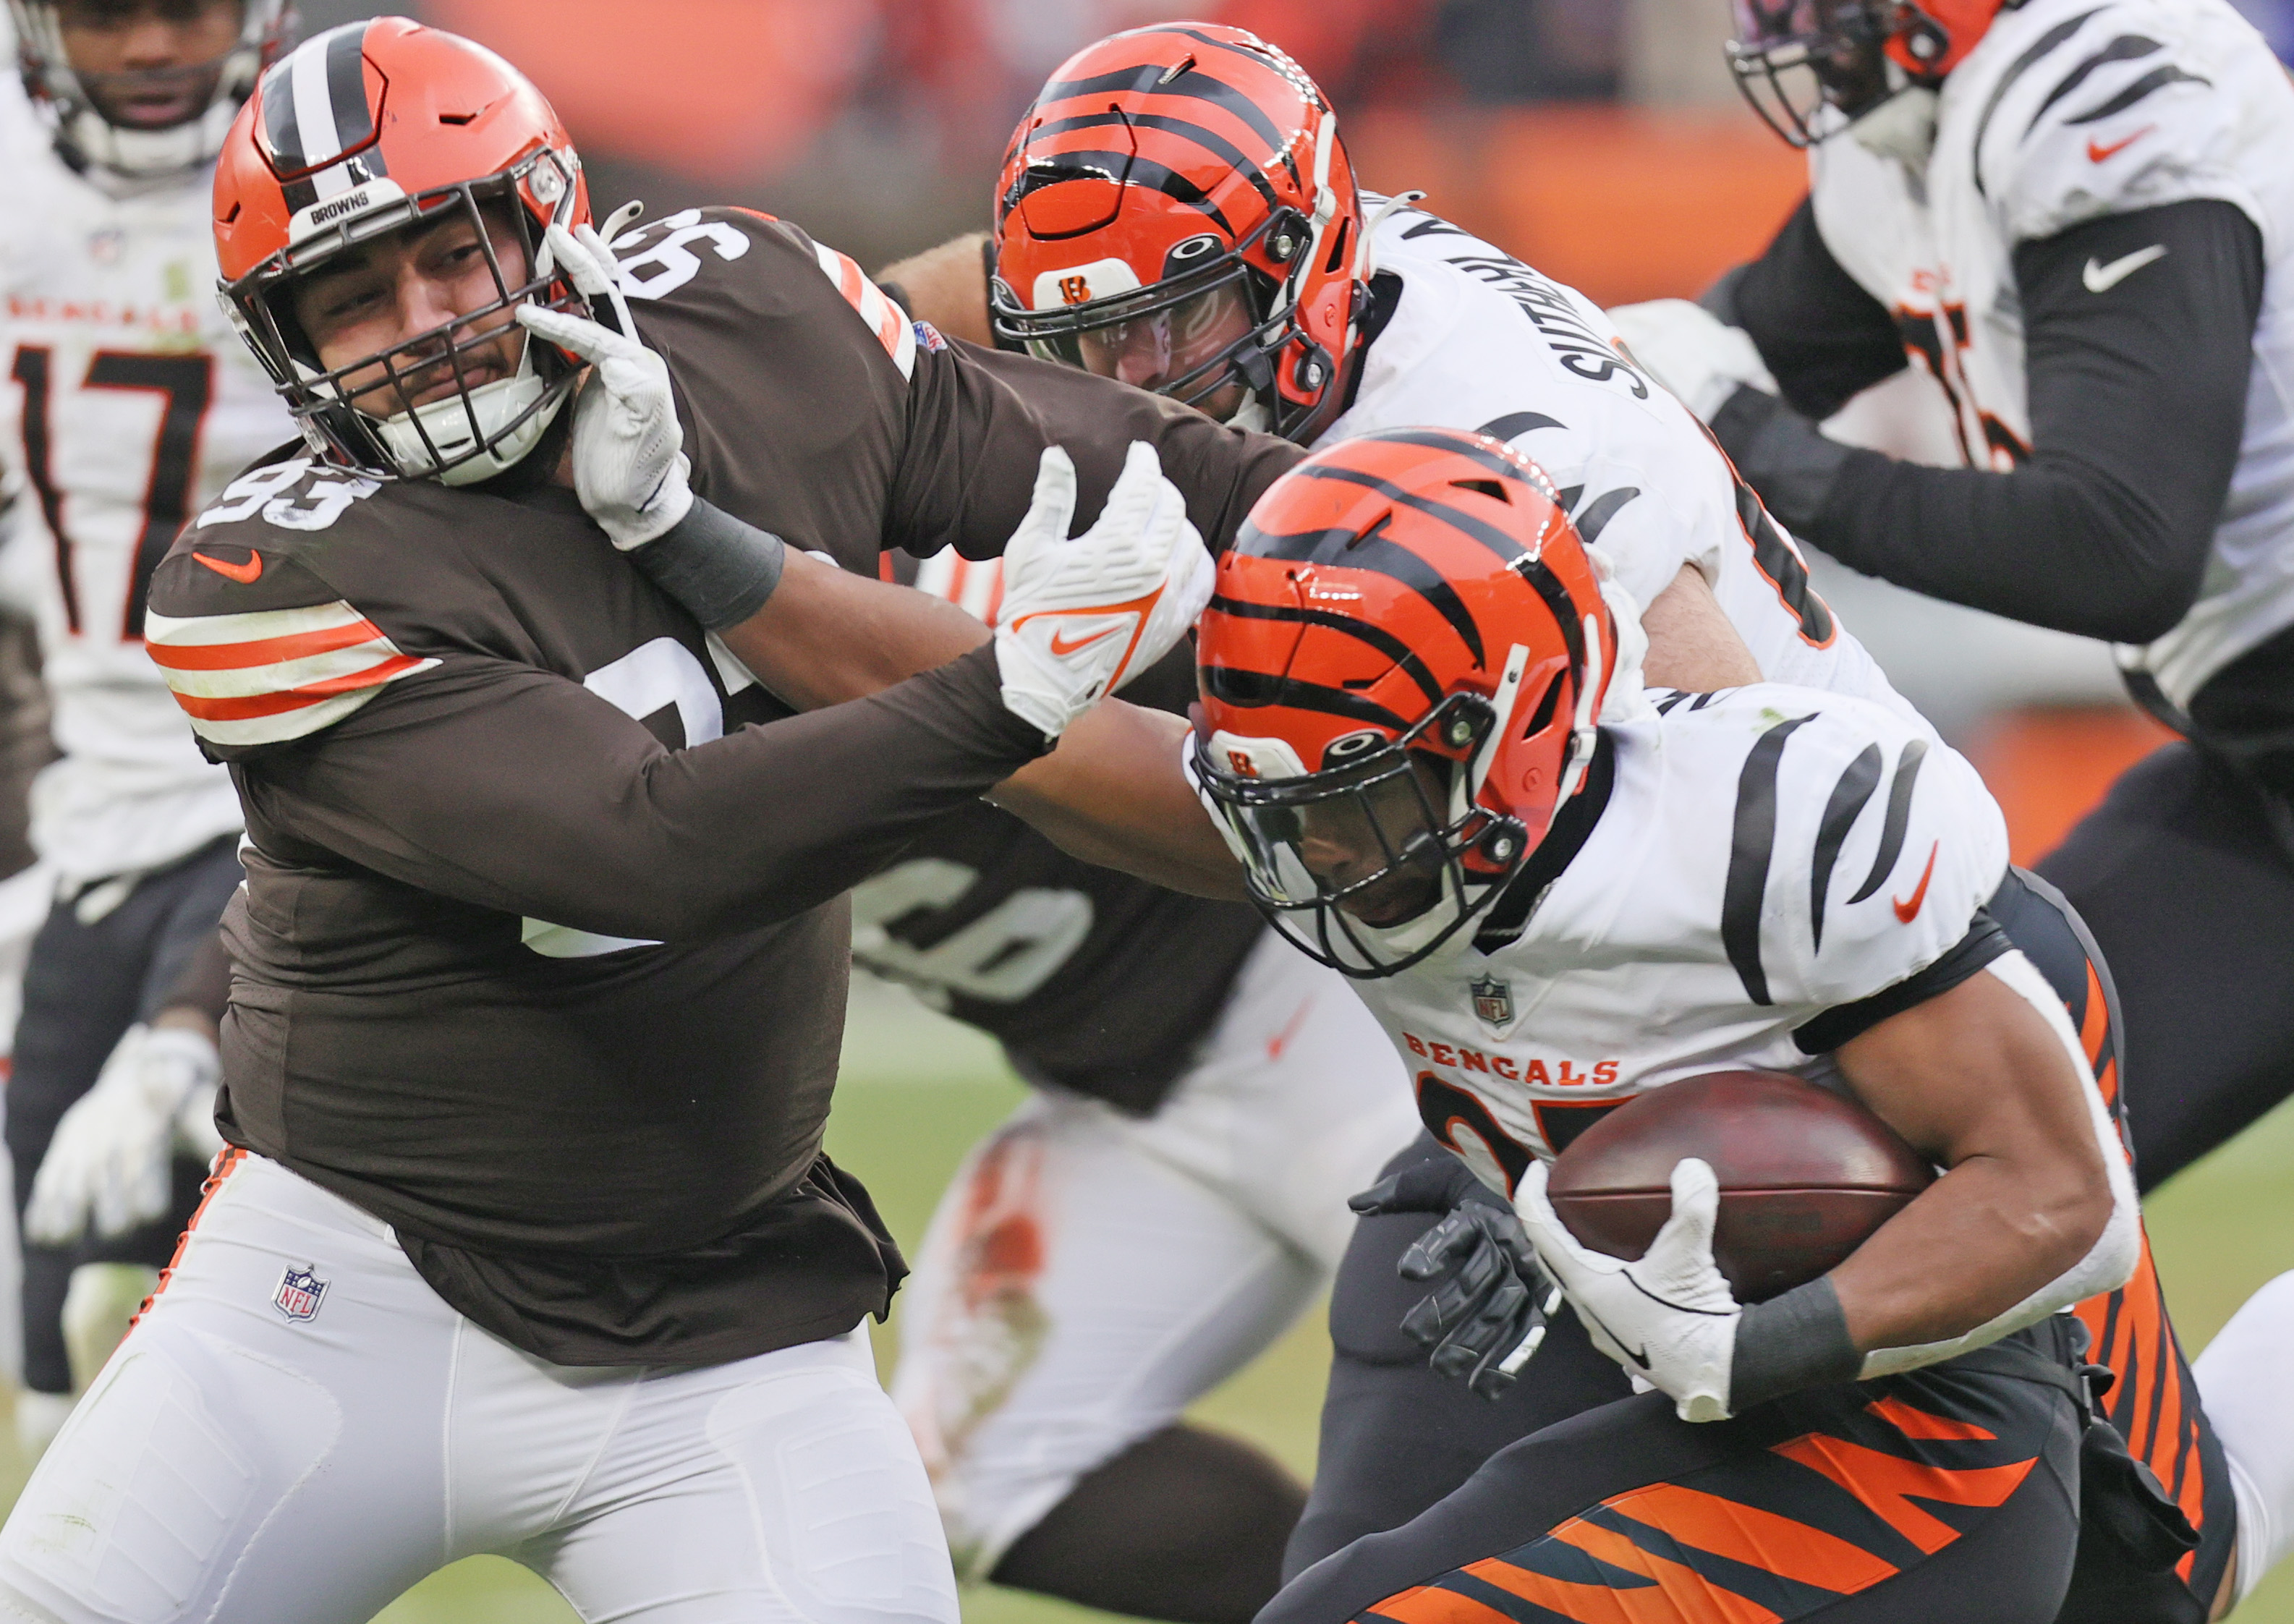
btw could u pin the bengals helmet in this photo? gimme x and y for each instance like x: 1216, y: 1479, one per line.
x: 70, y: 102
x: 362, y: 131
x: 1401, y: 672
x: 1178, y: 184
x: 1793, y: 58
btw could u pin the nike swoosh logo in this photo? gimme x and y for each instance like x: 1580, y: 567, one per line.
x: 244, y: 574
x: 1062, y: 648
x: 2096, y: 152
x: 1907, y: 912
x: 2102, y: 279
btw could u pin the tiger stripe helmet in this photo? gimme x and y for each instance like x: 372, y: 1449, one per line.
x: 1408, y: 649
x: 365, y: 130
x: 1163, y: 167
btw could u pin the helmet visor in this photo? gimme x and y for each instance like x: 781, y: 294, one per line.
x: 1357, y: 866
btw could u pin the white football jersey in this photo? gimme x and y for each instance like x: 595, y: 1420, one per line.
x: 129, y: 402
x: 1767, y: 855
x: 1481, y: 341
x: 2066, y: 111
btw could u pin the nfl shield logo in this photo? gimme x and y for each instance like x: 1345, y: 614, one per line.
x: 1493, y: 1001
x: 300, y: 1293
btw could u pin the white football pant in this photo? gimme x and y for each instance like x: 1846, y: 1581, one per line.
x: 1089, y: 1274
x: 2246, y: 1380
x: 236, y: 1463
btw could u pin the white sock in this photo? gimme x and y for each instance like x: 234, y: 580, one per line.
x: 2243, y: 1382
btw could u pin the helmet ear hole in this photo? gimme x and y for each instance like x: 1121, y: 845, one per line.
x: 1548, y: 703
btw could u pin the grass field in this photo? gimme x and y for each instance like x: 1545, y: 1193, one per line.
x: 918, y: 1090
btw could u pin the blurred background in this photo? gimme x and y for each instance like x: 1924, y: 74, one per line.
x: 1602, y: 140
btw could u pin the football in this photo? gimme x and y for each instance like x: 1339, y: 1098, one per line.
x: 1805, y: 1175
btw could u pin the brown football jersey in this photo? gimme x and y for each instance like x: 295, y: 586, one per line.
x: 542, y: 954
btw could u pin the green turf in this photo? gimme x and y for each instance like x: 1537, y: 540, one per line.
x: 918, y: 1092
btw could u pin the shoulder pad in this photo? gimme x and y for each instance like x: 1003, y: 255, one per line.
x: 257, y: 648
x: 1861, y: 847
x: 658, y: 259
x: 2118, y: 108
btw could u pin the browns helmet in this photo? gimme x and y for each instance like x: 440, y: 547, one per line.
x: 1401, y: 674
x: 1793, y: 58
x: 72, y: 102
x: 1179, y: 184
x: 362, y: 131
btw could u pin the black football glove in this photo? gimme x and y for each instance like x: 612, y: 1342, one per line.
x: 1487, y: 1315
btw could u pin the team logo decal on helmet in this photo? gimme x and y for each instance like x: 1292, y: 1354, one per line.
x: 1795, y: 58
x: 1176, y: 210
x: 72, y: 102
x: 1401, y: 674
x: 364, y: 131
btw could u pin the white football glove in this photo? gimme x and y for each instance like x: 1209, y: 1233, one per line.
x: 630, y: 466
x: 1670, y: 1319
x: 1079, y: 617
x: 1694, y: 353
x: 107, y: 1164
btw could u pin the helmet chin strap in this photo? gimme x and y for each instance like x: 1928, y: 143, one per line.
x: 1584, y: 734
x: 1400, y: 200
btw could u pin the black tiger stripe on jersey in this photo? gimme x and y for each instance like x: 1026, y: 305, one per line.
x: 1899, y: 819
x: 2045, y: 45
x: 1601, y: 509
x: 2126, y: 48
x: 1783, y: 567
x: 1515, y: 424
x: 1751, y: 846
x: 2158, y: 78
x: 1393, y: 648
x: 1844, y: 806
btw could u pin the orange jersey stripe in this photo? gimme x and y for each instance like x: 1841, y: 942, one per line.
x: 294, y: 699
x: 1762, y: 1540
x: 261, y: 651
x: 1918, y: 1424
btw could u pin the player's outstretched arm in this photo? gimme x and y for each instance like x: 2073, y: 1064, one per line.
x: 2034, y: 1210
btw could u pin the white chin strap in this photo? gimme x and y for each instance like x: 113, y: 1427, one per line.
x: 447, y: 425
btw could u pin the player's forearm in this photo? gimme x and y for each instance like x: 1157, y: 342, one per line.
x: 1114, y: 794
x: 1692, y: 645
x: 2028, y: 1210
x: 826, y: 636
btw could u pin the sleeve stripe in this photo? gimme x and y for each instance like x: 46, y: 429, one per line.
x: 235, y: 707
x: 267, y: 676
x: 261, y: 651
x: 891, y: 324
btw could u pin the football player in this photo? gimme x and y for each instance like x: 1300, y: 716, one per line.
x: 2073, y: 216
x: 1438, y: 772
x: 131, y: 404
x: 1054, y: 1331
x: 524, y: 1242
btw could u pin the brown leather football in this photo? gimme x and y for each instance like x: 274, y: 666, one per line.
x: 1805, y: 1174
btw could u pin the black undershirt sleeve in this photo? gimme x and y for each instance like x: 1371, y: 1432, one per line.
x: 1824, y: 339
x: 2138, y: 400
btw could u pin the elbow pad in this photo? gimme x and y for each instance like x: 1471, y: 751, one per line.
x: 2107, y: 1265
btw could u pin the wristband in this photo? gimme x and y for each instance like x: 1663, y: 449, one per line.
x: 717, y: 566
x: 1790, y: 1342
